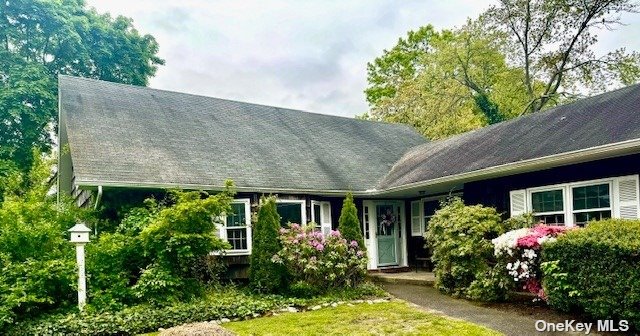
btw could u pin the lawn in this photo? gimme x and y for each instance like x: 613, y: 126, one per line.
x: 391, y: 318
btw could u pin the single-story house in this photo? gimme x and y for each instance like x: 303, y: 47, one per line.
x: 569, y: 164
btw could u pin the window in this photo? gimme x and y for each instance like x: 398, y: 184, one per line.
x: 291, y: 211
x: 430, y: 208
x: 237, y: 227
x: 321, y: 216
x: 548, y: 206
x: 416, y: 219
x: 592, y: 202
x: 365, y: 221
x: 580, y: 202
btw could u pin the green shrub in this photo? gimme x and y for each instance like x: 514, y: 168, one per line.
x: 460, y: 238
x: 265, y: 275
x: 177, y: 241
x: 320, y: 261
x: 349, y: 225
x: 596, y: 270
x: 37, y: 263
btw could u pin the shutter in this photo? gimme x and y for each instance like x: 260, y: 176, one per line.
x: 416, y: 225
x: 325, y: 217
x: 518, y: 199
x: 627, y: 197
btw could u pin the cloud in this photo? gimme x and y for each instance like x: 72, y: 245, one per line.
x: 308, y: 55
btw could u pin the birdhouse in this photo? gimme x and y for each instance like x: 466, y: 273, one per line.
x: 79, y: 234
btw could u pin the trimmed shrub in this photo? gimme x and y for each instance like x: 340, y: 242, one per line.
x: 596, y: 270
x: 348, y: 224
x: 264, y: 275
x: 320, y: 262
x: 460, y: 238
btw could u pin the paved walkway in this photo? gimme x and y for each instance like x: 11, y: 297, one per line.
x: 509, y: 323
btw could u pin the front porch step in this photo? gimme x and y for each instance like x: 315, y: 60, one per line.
x: 407, y: 278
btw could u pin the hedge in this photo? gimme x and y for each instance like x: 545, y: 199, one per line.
x: 596, y: 270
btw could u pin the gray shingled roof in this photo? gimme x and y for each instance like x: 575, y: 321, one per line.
x: 600, y: 120
x: 130, y: 135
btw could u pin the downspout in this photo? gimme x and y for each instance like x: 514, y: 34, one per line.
x: 95, y: 207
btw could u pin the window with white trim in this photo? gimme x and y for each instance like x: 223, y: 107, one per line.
x: 591, y: 202
x: 321, y: 216
x: 547, y: 206
x: 291, y: 211
x: 236, y: 228
x: 580, y: 202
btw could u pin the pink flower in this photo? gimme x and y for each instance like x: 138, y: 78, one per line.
x: 335, y: 233
x: 319, y: 247
x: 360, y: 253
x: 354, y: 243
x: 295, y: 226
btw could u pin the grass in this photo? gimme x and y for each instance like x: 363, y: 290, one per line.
x: 391, y: 318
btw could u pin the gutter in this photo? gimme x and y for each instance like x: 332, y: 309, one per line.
x: 95, y: 207
x: 577, y: 156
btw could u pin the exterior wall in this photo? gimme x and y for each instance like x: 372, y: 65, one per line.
x: 495, y: 192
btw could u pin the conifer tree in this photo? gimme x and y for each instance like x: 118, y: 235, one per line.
x: 348, y: 224
x: 265, y: 275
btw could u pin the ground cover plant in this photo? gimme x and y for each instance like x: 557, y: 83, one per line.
x: 226, y: 302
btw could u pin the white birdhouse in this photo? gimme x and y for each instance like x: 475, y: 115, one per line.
x: 79, y: 233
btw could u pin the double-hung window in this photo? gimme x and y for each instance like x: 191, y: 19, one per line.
x: 548, y: 206
x: 237, y: 227
x: 591, y: 202
x: 580, y: 202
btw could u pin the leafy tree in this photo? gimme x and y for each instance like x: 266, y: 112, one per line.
x: 400, y: 64
x: 553, y: 43
x: 348, y: 224
x: 265, y: 275
x: 462, y: 82
x: 41, y: 39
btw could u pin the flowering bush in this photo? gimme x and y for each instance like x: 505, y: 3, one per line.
x: 319, y: 261
x: 520, y: 251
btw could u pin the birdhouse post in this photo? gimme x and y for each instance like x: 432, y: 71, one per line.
x: 80, y: 237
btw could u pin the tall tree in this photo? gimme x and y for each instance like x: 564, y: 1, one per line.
x: 554, y: 44
x: 40, y: 39
x: 460, y: 82
x: 265, y: 275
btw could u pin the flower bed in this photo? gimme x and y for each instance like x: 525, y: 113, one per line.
x: 519, y: 250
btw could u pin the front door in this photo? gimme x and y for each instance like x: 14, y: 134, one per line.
x: 386, y: 232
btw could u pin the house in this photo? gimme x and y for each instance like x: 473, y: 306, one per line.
x: 568, y: 165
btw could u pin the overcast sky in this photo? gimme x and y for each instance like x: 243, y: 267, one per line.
x: 308, y: 55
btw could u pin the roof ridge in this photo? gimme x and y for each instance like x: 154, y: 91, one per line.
x: 233, y: 100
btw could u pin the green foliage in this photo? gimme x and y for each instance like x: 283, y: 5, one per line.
x: 40, y: 40
x: 460, y: 238
x: 596, y: 270
x: 264, y: 275
x: 36, y: 260
x: 554, y: 42
x: 450, y: 82
x: 323, y: 262
x: 224, y: 302
x: 348, y: 224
